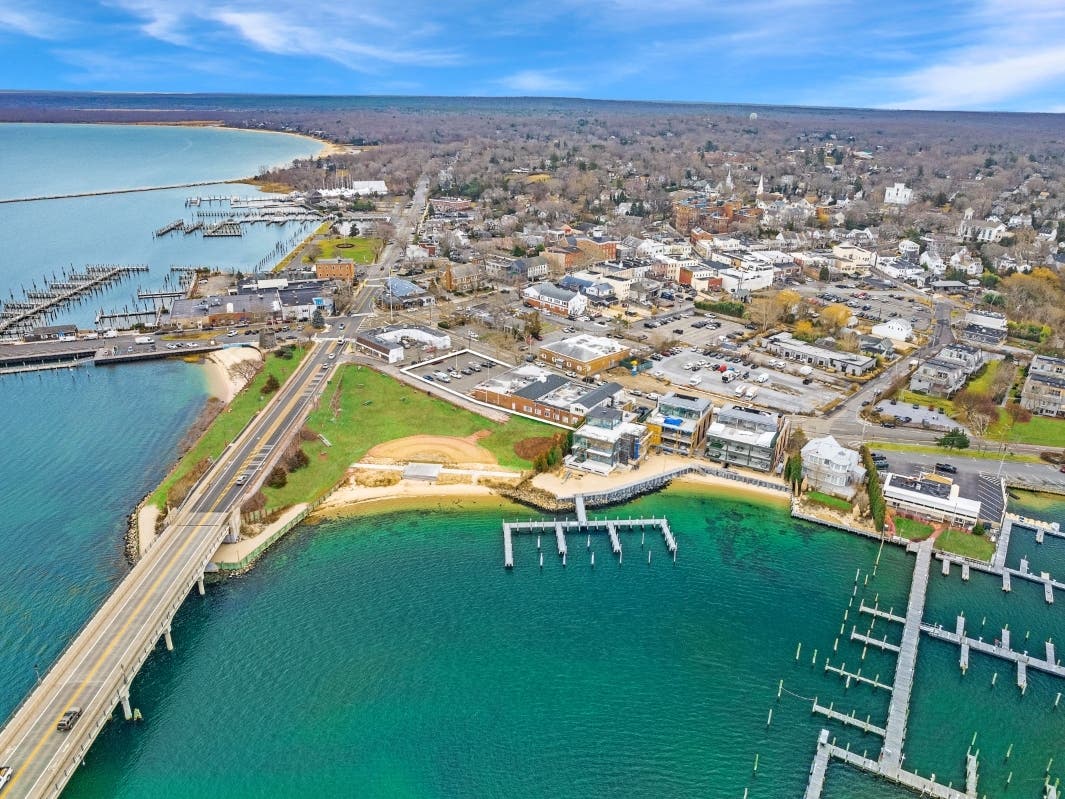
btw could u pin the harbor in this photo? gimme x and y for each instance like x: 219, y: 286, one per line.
x: 19, y: 316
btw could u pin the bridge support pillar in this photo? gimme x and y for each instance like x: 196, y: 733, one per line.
x: 168, y: 640
x: 127, y: 711
x: 233, y: 530
x: 199, y: 586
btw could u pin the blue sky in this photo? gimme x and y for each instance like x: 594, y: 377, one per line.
x: 939, y: 54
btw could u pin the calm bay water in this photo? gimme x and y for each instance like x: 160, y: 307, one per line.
x: 392, y: 656
x: 82, y: 447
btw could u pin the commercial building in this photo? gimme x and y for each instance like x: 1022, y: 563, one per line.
x: 931, y: 497
x: 606, y: 441
x: 390, y: 343
x: 533, y: 391
x: 273, y: 301
x: 584, y: 354
x: 679, y: 424
x: 335, y: 269
x: 787, y: 346
x: 549, y: 297
x: 1044, y: 388
x: 984, y: 327
x: 747, y: 437
x: 831, y: 468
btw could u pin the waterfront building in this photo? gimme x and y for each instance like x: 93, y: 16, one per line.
x: 534, y: 391
x: 679, y: 424
x: 606, y: 441
x: 984, y: 327
x: 1044, y: 388
x: 931, y: 497
x: 747, y: 437
x: 831, y: 468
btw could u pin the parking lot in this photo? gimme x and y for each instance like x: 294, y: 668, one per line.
x: 912, y: 414
x: 872, y: 305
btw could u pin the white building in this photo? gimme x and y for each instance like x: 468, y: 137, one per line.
x: 736, y: 280
x: 829, y: 467
x: 898, y: 195
x: 854, y: 260
x: 551, y: 298
x: 898, y: 330
x: 931, y: 497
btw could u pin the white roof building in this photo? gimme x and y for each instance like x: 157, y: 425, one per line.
x: 898, y: 329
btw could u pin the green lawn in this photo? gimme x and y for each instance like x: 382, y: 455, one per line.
x: 374, y: 408
x: 361, y: 250
x: 1042, y: 430
x: 971, y: 452
x: 982, y: 384
x: 912, y: 530
x: 829, y: 501
x: 907, y: 398
x: 228, y: 423
x: 967, y: 544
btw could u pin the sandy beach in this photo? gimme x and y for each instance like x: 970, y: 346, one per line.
x: 350, y: 499
x: 221, y: 381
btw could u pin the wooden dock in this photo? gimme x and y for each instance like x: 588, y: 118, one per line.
x: 560, y: 527
x: 856, y: 676
x: 850, y: 720
x: 1001, y: 649
x: 899, y: 708
x: 924, y: 786
x: 20, y: 315
x: 877, y: 642
x: 880, y: 614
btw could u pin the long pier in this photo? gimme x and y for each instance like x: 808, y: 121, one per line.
x: 899, y: 708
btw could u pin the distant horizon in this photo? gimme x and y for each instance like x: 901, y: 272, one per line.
x: 984, y: 55
x: 539, y: 98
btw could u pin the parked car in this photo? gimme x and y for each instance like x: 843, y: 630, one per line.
x: 947, y: 468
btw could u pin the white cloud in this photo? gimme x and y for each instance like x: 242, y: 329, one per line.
x: 28, y: 22
x: 314, y: 28
x: 532, y: 81
x: 1007, y: 53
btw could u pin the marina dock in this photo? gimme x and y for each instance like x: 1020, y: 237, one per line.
x: 560, y: 527
x: 20, y: 315
x: 899, y: 709
x: 828, y: 751
x: 1000, y: 648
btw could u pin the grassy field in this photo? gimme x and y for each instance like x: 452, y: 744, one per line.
x: 921, y: 449
x: 829, y: 501
x: 912, y: 530
x: 361, y: 250
x: 373, y: 408
x: 228, y: 423
x: 967, y: 544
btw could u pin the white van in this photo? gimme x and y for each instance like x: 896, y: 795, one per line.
x: 762, y: 378
x: 695, y: 381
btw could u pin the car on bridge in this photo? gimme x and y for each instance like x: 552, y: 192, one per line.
x: 5, y: 775
x: 68, y: 719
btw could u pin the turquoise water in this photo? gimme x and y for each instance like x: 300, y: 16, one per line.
x: 392, y: 656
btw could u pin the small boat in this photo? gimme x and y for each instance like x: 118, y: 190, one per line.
x: 137, y: 714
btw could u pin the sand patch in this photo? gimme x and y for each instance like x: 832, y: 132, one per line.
x: 448, y: 450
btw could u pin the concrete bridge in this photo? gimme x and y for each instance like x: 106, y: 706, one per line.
x: 94, y: 673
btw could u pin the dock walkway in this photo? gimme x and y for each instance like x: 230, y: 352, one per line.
x: 612, y: 527
x: 899, y: 709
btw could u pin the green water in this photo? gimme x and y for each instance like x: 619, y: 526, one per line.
x: 392, y: 656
